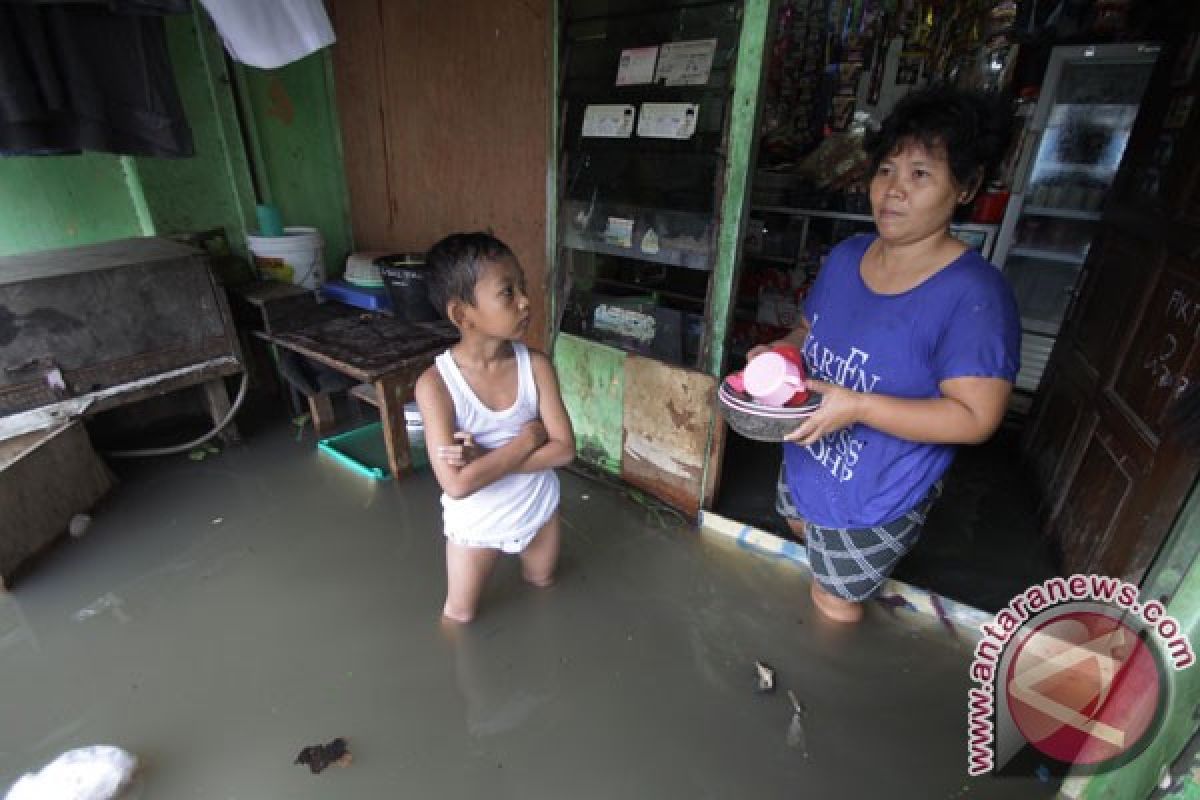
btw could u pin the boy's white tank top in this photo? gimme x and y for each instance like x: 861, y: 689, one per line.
x: 505, y: 514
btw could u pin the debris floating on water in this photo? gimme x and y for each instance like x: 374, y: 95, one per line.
x: 766, y: 677
x: 796, y: 736
x: 319, y: 756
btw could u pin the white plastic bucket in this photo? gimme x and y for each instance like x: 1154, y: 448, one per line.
x: 296, y: 257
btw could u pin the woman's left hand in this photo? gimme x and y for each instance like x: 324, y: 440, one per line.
x: 840, y: 408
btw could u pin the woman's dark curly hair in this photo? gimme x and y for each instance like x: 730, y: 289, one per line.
x: 455, y: 264
x: 972, y: 127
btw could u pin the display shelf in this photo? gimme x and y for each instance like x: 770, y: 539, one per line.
x: 680, y: 238
x: 1048, y: 255
x: 1038, y: 326
x: 789, y: 260
x: 981, y: 236
x: 812, y: 212
x: 641, y: 287
x: 1061, y: 213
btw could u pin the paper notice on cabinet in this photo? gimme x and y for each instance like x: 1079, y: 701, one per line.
x: 608, y: 122
x: 667, y: 120
x: 685, y: 63
x: 619, y: 232
x: 636, y: 66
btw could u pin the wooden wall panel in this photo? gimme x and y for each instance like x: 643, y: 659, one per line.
x: 668, y: 414
x: 445, y: 112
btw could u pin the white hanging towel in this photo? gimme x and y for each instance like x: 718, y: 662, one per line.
x: 271, y: 33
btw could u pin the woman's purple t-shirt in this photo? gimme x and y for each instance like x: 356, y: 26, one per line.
x: 961, y: 322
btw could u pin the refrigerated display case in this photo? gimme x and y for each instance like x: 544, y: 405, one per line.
x: 1086, y: 108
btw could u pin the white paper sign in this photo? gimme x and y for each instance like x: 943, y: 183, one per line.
x: 667, y: 120
x: 610, y: 122
x: 636, y: 66
x: 685, y: 63
x: 619, y: 232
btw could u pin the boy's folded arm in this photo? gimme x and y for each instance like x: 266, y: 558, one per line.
x: 437, y: 412
x: 559, y: 447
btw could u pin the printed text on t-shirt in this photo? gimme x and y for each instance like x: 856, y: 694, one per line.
x: 838, y: 452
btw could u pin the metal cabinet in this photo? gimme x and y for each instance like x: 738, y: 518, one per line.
x: 1089, y: 100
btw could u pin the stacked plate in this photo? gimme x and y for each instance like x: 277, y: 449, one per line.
x: 361, y: 270
x: 759, y: 422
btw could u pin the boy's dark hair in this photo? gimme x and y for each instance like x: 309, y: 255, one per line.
x: 972, y: 126
x: 454, y: 266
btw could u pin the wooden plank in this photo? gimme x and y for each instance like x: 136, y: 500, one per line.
x: 393, y: 392
x: 591, y: 378
x: 216, y: 398
x: 13, y: 448
x: 53, y: 476
x: 367, y: 393
x: 95, y: 402
x: 359, y: 82
x: 444, y: 120
x: 714, y: 462
x: 262, y: 293
x: 113, y: 375
x: 666, y: 431
x: 90, y: 258
x: 320, y: 408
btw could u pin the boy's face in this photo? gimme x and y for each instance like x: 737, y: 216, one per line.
x: 501, y: 308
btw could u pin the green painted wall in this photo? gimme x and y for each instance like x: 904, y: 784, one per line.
x: 591, y: 377
x: 213, y: 188
x: 62, y: 201
x: 291, y: 131
x: 296, y: 147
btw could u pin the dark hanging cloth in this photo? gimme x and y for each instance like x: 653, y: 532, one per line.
x: 83, y: 76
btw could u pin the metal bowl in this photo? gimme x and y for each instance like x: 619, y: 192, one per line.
x: 759, y: 422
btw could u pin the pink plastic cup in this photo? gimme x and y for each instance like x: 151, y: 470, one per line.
x: 772, y: 379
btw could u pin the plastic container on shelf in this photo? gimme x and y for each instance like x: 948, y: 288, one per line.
x: 296, y: 257
x: 364, y: 297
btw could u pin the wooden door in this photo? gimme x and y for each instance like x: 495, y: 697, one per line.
x: 1103, y: 441
x: 444, y: 115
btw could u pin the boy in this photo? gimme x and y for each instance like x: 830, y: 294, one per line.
x: 495, y: 424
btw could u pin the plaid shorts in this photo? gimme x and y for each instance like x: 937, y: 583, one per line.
x: 854, y: 563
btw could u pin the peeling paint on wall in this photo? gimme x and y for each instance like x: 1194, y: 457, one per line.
x: 591, y: 378
x: 665, y: 430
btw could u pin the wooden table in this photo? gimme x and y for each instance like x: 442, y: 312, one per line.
x: 376, y: 350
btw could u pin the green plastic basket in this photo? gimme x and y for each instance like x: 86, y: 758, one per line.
x: 364, y: 451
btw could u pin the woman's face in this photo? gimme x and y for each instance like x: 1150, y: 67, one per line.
x: 913, y: 194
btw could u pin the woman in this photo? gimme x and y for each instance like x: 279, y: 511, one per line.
x: 911, y: 338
